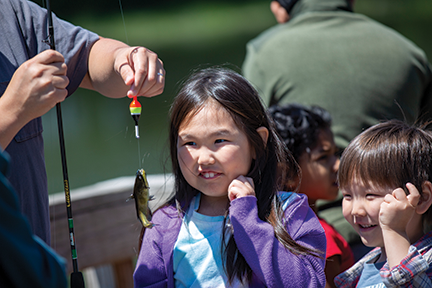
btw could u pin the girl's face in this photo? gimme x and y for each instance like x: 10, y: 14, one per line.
x: 361, y: 207
x: 319, y: 169
x: 212, y: 151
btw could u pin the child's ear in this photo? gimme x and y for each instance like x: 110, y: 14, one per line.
x: 264, y: 133
x: 426, y: 198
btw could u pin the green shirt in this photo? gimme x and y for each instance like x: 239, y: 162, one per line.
x: 356, y: 68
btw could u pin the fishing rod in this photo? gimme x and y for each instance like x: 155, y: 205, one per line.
x: 76, y: 279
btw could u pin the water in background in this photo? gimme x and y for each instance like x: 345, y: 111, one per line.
x: 100, y: 139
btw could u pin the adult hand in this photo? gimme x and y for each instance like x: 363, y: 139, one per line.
x: 115, y: 69
x: 36, y: 87
x: 142, y: 70
x: 398, y: 208
x: 240, y: 187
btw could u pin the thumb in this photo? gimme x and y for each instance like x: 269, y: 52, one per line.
x: 127, y: 73
x: 128, y: 76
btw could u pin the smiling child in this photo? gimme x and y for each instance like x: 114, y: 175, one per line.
x: 228, y: 224
x: 385, y: 176
x: 306, y: 132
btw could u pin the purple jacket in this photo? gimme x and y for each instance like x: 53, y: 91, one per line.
x: 272, y: 264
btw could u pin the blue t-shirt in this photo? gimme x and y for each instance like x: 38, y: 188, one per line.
x: 197, y: 251
x: 370, y: 277
x: 197, y: 256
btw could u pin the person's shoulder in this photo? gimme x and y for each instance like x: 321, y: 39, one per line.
x: 20, y: 6
x: 296, y: 207
x: 22, y: 11
x: 266, y: 36
x: 166, y: 211
x: 291, y: 199
x: 383, y: 32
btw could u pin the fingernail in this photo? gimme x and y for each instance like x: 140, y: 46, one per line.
x: 130, y: 94
x: 129, y: 80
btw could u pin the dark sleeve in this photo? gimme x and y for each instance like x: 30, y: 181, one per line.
x: 73, y: 42
x: 25, y: 261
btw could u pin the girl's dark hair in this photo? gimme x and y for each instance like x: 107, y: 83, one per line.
x: 299, y: 125
x: 389, y: 154
x: 272, y: 165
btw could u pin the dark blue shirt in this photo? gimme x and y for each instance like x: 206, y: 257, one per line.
x: 25, y: 260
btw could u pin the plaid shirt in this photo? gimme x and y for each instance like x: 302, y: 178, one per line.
x: 415, y: 270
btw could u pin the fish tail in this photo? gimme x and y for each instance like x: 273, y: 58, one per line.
x: 145, y: 222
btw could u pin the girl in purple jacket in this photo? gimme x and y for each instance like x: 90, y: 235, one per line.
x: 227, y: 224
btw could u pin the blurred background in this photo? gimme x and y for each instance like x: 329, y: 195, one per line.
x: 187, y: 35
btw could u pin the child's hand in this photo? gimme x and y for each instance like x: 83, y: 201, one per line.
x: 240, y: 187
x: 398, y: 208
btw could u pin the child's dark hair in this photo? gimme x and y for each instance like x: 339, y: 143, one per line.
x: 299, y: 125
x: 389, y: 154
x: 242, y: 102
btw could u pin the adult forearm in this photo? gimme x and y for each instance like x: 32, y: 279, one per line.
x: 102, y: 76
x: 116, y: 70
x: 10, y: 123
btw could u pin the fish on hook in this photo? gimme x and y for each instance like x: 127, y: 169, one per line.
x: 142, y: 197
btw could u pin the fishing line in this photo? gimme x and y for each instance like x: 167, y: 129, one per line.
x: 135, y: 106
x: 139, y: 153
x: 124, y: 23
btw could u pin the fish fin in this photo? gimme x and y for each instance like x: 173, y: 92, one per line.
x: 130, y: 197
x: 150, y: 225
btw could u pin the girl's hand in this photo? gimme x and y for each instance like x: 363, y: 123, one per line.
x: 240, y: 187
x: 398, y: 208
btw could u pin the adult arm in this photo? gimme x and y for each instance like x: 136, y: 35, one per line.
x: 270, y: 261
x: 116, y: 69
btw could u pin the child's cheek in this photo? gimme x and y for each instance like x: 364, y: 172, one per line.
x: 346, y: 210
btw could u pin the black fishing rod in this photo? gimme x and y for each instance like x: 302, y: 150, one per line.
x: 76, y: 279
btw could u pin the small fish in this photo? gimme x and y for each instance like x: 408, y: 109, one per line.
x: 142, y: 196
